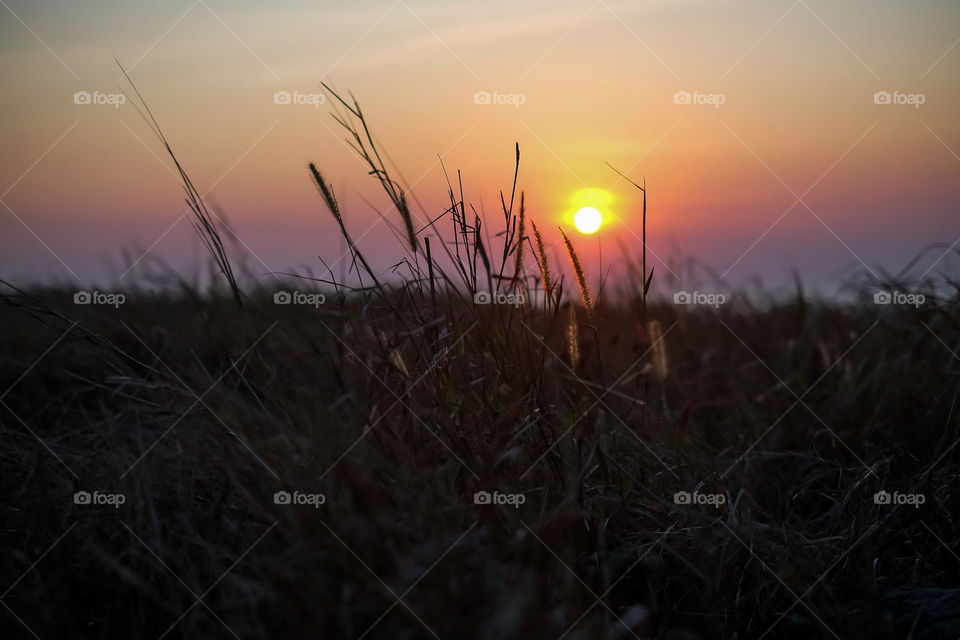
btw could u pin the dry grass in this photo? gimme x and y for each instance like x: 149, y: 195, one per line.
x: 400, y: 400
x: 544, y: 265
x: 399, y: 423
x: 573, y: 339
x: 578, y: 273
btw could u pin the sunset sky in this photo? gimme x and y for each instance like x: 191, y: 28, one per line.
x: 787, y: 162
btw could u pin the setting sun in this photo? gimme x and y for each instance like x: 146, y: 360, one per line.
x: 588, y: 220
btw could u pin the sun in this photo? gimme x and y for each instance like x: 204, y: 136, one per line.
x: 588, y: 220
x: 588, y: 210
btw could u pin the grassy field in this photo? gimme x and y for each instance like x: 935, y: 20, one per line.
x: 399, y: 461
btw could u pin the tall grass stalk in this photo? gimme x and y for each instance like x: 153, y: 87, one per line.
x: 364, y: 145
x: 578, y: 272
x: 588, y: 301
x: 204, y: 222
x: 326, y: 191
x: 518, y: 264
x: 573, y: 338
x: 645, y: 281
x: 543, y: 264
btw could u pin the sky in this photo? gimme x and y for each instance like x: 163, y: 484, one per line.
x: 773, y: 136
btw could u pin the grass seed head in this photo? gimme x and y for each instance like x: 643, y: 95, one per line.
x: 578, y: 270
x: 542, y: 260
x: 658, y: 346
x: 573, y: 338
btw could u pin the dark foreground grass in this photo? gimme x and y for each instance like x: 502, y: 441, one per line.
x: 400, y: 411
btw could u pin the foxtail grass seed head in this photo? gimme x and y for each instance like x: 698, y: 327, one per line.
x: 519, y: 262
x: 327, y: 193
x: 408, y: 222
x: 578, y: 270
x: 542, y: 259
x: 658, y: 346
x: 398, y: 362
x: 573, y: 338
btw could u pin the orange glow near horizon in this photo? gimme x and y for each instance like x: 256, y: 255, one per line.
x: 728, y: 118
